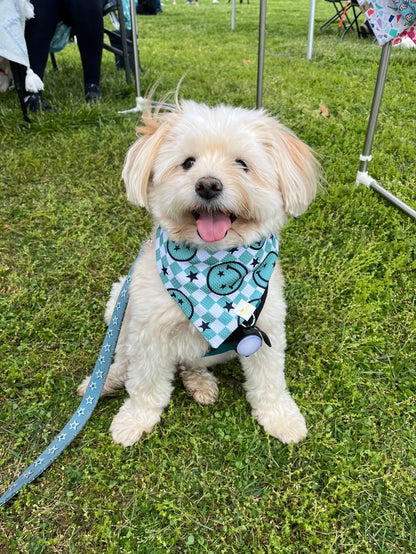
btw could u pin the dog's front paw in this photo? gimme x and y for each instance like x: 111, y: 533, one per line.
x: 129, y: 424
x: 284, y: 422
x: 200, y: 384
x: 83, y: 386
x: 112, y: 384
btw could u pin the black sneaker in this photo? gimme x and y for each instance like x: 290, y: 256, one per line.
x: 93, y: 93
x: 35, y: 103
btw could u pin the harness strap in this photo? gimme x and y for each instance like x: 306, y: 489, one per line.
x: 88, y: 402
x: 227, y: 345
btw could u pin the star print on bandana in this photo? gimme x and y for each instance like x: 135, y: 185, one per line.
x: 208, y: 286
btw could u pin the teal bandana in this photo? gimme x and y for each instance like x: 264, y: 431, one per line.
x: 216, y: 290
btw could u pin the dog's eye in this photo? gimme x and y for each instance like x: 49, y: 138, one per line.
x: 188, y: 163
x: 242, y: 163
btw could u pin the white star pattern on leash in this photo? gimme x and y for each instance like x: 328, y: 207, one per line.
x: 64, y: 439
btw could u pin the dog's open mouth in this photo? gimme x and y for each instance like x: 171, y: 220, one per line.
x: 213, y: 226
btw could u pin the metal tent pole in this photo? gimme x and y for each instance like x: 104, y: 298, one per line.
x: 260, y: 61
x: 375, y: 107
x: 310, y: 29
x: 135, y: 48
x: 233, y: 15
x: 363, y: 177
x: 139, y: 100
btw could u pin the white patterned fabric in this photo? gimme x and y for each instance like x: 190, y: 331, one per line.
x: 12, y: 30
x: 391, y: 19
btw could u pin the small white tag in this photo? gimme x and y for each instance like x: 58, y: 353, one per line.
x: 244, y: 310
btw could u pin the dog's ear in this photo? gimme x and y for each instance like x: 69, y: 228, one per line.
x: 298, y: 171
x: 140, y: 158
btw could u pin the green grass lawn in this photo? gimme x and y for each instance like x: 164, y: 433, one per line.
x: 208, y: 479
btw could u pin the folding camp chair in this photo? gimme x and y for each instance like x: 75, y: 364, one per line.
x: 121, y: 39
x: 347, y: 12
x: 339, y: 7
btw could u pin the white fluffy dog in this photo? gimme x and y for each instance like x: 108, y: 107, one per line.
x: 214, y: 179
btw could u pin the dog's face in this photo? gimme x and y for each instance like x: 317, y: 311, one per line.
x: 219, y: 177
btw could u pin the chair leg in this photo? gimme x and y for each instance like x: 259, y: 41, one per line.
x: 18, y: 76
x: 124, y: 41
x: 341, y: 13
x: 354, y: 22
x: 53, y: 60
x: 121, y: 41
x: 357, y: 12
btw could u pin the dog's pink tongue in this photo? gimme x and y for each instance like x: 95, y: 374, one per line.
x: 213, y: 226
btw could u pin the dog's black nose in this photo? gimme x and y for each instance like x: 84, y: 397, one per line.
x: 208, y: 187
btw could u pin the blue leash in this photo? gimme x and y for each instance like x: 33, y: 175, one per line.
x: 88, y: 402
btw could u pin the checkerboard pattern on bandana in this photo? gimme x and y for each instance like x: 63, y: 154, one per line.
x: 208, y: 286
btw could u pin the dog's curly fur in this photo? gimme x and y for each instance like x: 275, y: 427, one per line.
x: 262, y: 175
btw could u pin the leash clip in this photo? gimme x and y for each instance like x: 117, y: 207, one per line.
x: 247, y: 339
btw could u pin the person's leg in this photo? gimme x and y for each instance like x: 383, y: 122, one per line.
x: 38, y: 35
x: 39, y: 32
x: 88, y: 26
